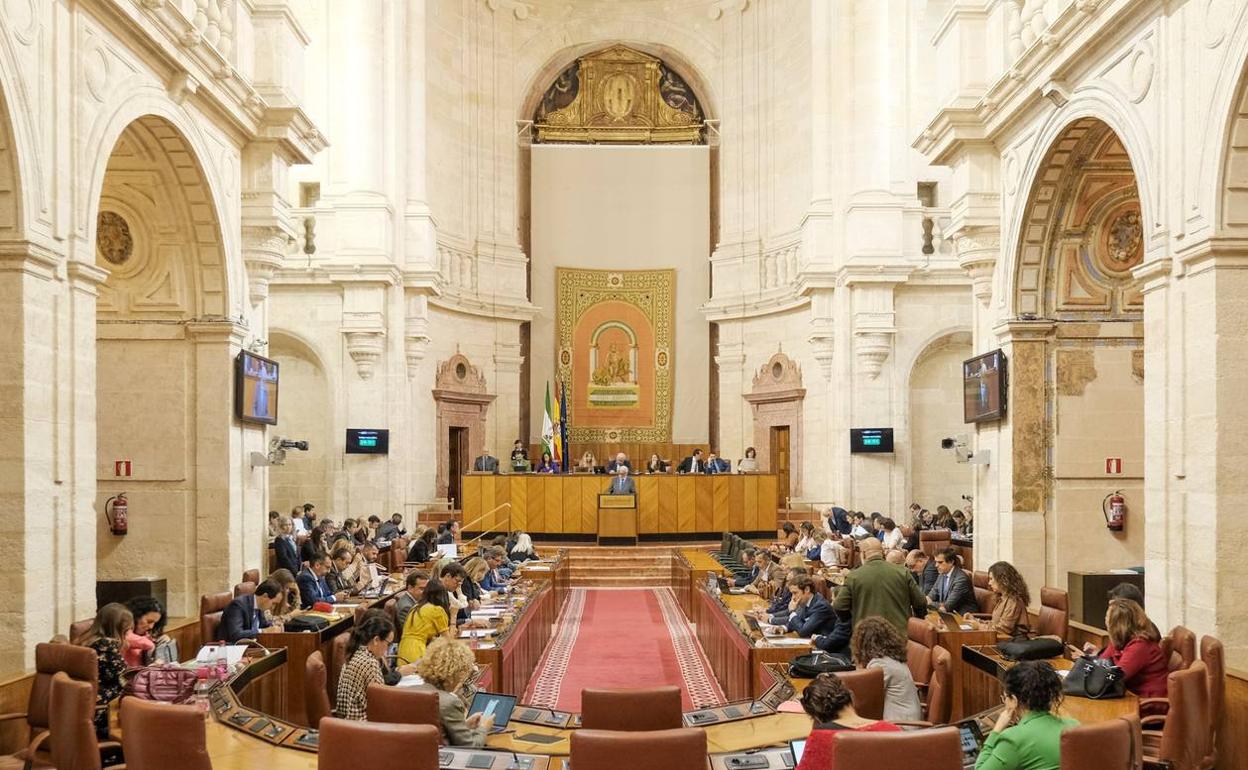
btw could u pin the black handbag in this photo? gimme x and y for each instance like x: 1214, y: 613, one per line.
x: 1031, y: 649
x: 813, y: 664
x: 1095, y: 678
x: 305, y: 623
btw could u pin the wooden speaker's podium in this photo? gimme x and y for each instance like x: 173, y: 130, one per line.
x: 617, y: 519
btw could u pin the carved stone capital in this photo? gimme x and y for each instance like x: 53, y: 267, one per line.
x: 415, y: 343
x: 978, y: 250
x: 264, y: 249
x: 822, y: 341
x: 364, y: 347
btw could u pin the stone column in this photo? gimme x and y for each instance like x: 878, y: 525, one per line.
x: 1013, y: 530
x: 420, y: 236
x: 736, y: 423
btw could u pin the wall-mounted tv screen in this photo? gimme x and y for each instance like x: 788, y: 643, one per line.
x: 368, y: 441
x: 870, y: 440
x: 255, y: 388
x: 983, y: 387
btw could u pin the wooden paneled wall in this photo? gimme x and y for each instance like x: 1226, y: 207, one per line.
x: 568, y: 504
x: 638, y: 453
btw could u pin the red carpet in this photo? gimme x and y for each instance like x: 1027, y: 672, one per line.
x: 622, y: 638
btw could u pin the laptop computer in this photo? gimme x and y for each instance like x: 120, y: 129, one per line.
x: 729, y: 588
x: 950, y: 620
x: 494, y: 704
x: 797, y: 747
x: 450, y: 550
x: 972, y: 739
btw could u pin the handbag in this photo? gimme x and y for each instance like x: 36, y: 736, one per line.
x: 1095, y: 678
x: 164, y: 683
x: 1031, y: 649
x: 813, y: 664
x: 305, y: 623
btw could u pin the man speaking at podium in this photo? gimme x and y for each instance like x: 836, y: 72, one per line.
x: 622, y: 484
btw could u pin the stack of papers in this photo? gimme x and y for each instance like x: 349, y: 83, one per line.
x: 411, y: 680
x: 784, y: 641
x: 477, y: 633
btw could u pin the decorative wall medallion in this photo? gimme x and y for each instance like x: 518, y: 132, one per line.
x: 95, y: 68
x: 22, y: 19
x: 1123, y: 241
x: 1216, y: 16
x: 113, y: 241
x: 1140, y: 69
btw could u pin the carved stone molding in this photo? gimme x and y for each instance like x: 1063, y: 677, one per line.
x: 461, y: 401
x: 978, y: 249
x: 775, y: 399
x: 872, y: 349
x: 520, y: 10
x: 415, y: 344
x: 365, y: 347
x: 264, y: 250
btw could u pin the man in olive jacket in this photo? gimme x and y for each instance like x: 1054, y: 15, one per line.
x: 880, y: 589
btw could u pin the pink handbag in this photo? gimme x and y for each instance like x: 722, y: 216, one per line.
x: 168, y: 684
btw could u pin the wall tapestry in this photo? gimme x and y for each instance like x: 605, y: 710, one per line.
x: 614, y: 347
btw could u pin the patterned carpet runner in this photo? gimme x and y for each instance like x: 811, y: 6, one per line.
x: 620, y: 638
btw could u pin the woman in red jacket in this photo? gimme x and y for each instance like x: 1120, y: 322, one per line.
x: 829, y: 703
x: 1134, y: 646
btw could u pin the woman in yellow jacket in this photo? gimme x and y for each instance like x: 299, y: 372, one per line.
x: 429, y: 619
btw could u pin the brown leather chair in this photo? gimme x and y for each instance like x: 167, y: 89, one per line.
x: 1179, y: 647
x: 211, y: 607
x: 392, y: 611
x: 315, y: 693
x: 78, y: 663
x: 984, y: 597
x: 933, y: 540
x: 337, y: 659
x: 1054, y: 613
x: 654, y: 708
x: 159, y: 736
x: 403, y: 705
x: 244, y: 588
x: 920, y: 639
x: 349, y: 745
x: 71, y: 713
x: 79, y: 627
x: 251, y: 576
x: 939, y: 748
x: 1184, y: 738
x: 940, y: 691
x: 1211, y: 654
x: 867, y: 688
x: 683, y: 749
x: 1100, y: 745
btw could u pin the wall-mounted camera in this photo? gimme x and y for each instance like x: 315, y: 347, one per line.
x: 962, y: 451
x: 277, y: 452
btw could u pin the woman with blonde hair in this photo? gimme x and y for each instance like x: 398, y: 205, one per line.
x: 1009, y: 615
x: 446, y: 666
x: 476, y: 568
x: 107, y: 637
x: 877, y: 644
x: 587, y: 462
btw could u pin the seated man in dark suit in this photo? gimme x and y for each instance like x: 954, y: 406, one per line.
x: 244, y: 617
x: 622, y: 484
x: 619, y: 460
x: 716, y: 465
x: 750, y: 564
x: 953, y: 590
x: 446, y: 535
x: 836, y: 641
x: 692, y: 464
x: 486, y: 463
x: 312, y: 585
x: 813, y: 614
x: 922, y: 569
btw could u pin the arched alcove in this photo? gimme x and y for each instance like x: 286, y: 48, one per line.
x: 308, y: 414
x: 164, y: 354
x: 934, y: 396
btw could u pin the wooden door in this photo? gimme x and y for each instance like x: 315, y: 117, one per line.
x: 457, y: 462
x: 780, y: 463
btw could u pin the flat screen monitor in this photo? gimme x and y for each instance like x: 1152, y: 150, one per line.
x: 368, y: 441
x: 255, y: 388
x: 983, y: 387
x: 870, y: 440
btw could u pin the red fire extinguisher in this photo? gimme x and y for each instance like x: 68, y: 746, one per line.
x: 1114, y: 506
x: 116, y: 510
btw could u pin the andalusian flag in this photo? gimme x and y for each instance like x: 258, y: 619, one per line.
x: 556, y: 433
x: 548, y: 426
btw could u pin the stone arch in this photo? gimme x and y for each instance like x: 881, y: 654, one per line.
x: 180, y: 140
x: 309, y: 413
x: 931, y: 411
x: 14, y: 161
x: 1103, y: 107
x: 1223, y: 157
x: 1085, y: 184
x: 1231, y: 214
